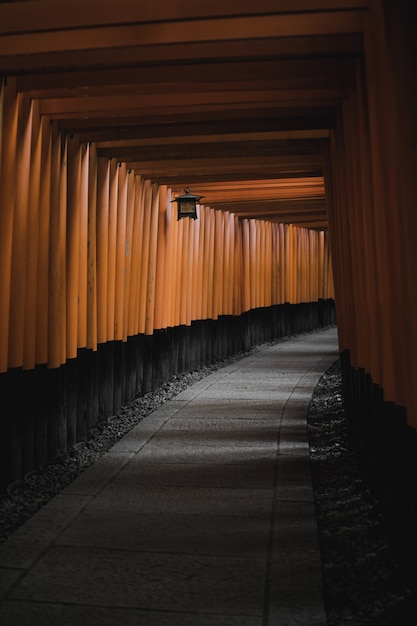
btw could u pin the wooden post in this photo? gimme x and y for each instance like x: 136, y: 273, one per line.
x: 120, y: 251
x: 20, y: 234
x: 102, y: 243
x: 152, y: 259
x: 33, y: 243
x: 42, y: 318
x: 161, y: 287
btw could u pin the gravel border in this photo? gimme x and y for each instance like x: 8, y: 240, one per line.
x: 361, y: 584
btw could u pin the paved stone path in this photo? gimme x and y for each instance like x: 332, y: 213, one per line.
x: 202, y: 515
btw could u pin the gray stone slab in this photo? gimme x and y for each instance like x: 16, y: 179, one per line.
x: 169, y: 453
x: 132, y: 442
x: 230, y: 410
x: 8, y: 577
x: 267, y: 373
x: 240, y: 536
x: 293, y: 441
x: 295, y: 493
x: 209, y: 438
x: 294, y: 417
x: 15, y: 613
x: 302, y: 393
x: 258, y: 425
x: 296, y: 606
x: 29, y: 541
x: 96, y: 577
x: 167, y: 410
x: 261, y: 379
x: 298, y: 404
x: 139, y: 436
x: 124, y: 494
x: 293, y: 447
x: 257, y: 474
x: 294, y: 469
x: 99, y: 474
x: 294, y: 432
x: 301, y: 568
x: 244, y: 394
x: 295, y: 530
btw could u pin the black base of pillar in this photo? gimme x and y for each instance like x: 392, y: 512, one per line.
x: 386, y: 451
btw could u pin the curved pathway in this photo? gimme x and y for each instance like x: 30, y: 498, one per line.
x: 202, y: 515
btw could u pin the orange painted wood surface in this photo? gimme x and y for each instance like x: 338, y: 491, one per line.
x: 107, y: 258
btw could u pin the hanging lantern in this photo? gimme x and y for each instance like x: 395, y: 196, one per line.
x: 187, y: 204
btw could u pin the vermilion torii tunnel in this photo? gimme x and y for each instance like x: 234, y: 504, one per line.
x: 295, y: 121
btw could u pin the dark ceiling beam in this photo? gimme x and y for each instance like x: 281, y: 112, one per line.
x: 81, y: 68
x: 283, y: 136
x: 234, y: 27
x: 294, y: 206
x: 133, y: 105
x: 48, y: 15
x: 215, y: 150
x: 198, y: 179
x: 199, y: 75
x: 205, y: 124
x: 232, y: 98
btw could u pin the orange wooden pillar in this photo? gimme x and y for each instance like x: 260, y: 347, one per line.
x: 261, y: 264
x: 102, y: 243
x: 42, y: 320
x: 208, y: 260
x: 246, y: 294
x: 20, y: 234
x: 269, y: 288
x: 388, y: 44
x: 179, y: 240
x: 84, y: 208
x: 190, y: 271
x: 161, y: 287
x: 292, y: 259
x: 8, y: 136
x: 362, y: 161
x: 167, y: 312
x: 183, y: 285
x: 120, y: 256
x: 197, y: 300
x: 56, y: 301
x: 32, y: 248
x: 73, y: 245
x: 238, y: 282
x: 218, y: 264
x: 152, y: 258
x: 173, y: 268
x: 321, y: 267
x: 334, y: 243
x: 282, y: 264
x: 253, y: 264
x: 197, y: 287
x: 275, y: 280
x: 92, y: 249
x: 401, y: 50
x: 128, y: 298
x: 226, y: 273
x: 137, y: 241
x: 111, y: 253
x: 146, y: 206
x: 338, y: 217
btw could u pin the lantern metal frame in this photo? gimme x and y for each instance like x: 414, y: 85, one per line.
x: 187, y: 204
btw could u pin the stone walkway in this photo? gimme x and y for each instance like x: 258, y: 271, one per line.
x: 202, y: 515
